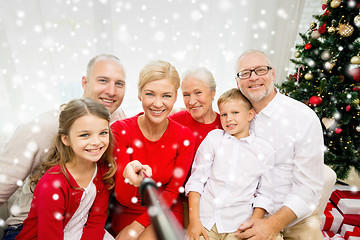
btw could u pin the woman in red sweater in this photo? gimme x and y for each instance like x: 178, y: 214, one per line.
x: 155, y: 140
x: 198, y: 88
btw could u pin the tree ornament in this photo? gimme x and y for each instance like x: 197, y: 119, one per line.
x: 338, y: 130
x: 309, y: 76
x: 356, y: 101
x: 325, y: 55
x: 322, y: 28
x: 297, y: 54
x: 355, y: 60
x: 331, y: 29
x: 328, y: 122
x: 357, y: 21
x: 315, y: 101
x: 355, y: 73
x: 341, y: 78
x: 329, y: 65
x: 345, y: 30
x: 308, y: 46
x: 315, y: 34
x: 335, y: 3
x: 348, y: 108
x: 313, y: 25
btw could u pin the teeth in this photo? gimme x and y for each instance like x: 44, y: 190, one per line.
x: 93, y: 150
x: 157, y: 111
x: 108, y: 101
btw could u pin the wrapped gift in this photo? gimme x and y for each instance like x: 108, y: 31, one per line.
x: 352, y: 219
x: 332, y: 219
x: 350, y: 232
x: 329, y: 235
x: 349, y: 206
x: 347, y: 192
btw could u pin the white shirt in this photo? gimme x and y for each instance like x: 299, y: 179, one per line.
x: 227, y: 173
x: 74, y: 228
x: 295, y: 132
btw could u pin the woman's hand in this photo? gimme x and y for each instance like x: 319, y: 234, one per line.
x: 133, y: 172
x: 131, y: 232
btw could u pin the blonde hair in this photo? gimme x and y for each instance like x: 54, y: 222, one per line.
x: 158, y: 70
x: 234, y: 94
x: 60, y: 154
x: 202, y: 74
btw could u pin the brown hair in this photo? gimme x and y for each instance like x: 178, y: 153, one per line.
x: 60, y: 154
x: 233, y: 94
x: 158, y: 70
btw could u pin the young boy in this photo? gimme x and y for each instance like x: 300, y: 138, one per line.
x: 231, y: 177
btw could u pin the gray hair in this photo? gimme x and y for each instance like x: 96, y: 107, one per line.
x: 253, y: 51
x: 101, y: 57
x: 202, y: 74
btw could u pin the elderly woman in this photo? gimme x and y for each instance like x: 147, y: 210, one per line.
x: 198, y: 88
x: 155, y: 140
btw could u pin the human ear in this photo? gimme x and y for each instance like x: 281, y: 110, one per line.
x: 65, y: 140
x: 84, y: 82
x: 251, y: 114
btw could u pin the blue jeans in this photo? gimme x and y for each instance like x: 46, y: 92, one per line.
x: 12, y: 231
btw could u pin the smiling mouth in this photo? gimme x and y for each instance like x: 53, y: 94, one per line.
x: 94, y: 150
x: 256, y: 86
x: 157, y: 111
x: 107, y: 100
x: 195, y: 108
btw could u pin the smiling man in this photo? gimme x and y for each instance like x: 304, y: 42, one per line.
x: 27, y: 148
x: 295, y: 132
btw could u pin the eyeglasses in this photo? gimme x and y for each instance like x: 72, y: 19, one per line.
x: 258, y: 71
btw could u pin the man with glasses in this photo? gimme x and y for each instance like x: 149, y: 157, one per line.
x: 295, y: 132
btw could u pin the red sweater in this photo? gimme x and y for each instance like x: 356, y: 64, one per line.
x: 169, y: 157
x: 200, y: 130
x: 48, y: 216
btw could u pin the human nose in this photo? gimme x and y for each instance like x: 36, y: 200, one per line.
x: 110, y: 90
x: 192, y: 100
x: 158, y: 102
x: 95, y: 140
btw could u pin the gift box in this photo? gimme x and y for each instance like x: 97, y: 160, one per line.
x: 351, y: 219
x: 349, y: 206
x: 332, y: 219
x: 341, y: 193
x: 350, y: 232
x: 329, y: 235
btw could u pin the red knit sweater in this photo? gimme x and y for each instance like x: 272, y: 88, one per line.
x: 54, y: 203
x: 200, y: 130
x: 169, y: 157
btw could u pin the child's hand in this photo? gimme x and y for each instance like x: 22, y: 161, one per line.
x: 195, y: 230
x: 133, y: 172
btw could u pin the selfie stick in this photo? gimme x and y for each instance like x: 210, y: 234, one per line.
x: 164, y: 222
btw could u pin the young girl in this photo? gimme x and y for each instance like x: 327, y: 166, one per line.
x: 71, y: 198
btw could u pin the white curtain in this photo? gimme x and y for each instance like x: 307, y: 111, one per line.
x: 46, y: 44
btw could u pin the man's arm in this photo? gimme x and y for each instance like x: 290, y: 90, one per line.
x: 266, y: 228
x: 24, y: 152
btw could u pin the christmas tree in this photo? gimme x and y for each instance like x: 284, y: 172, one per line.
x: 326, y: 78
